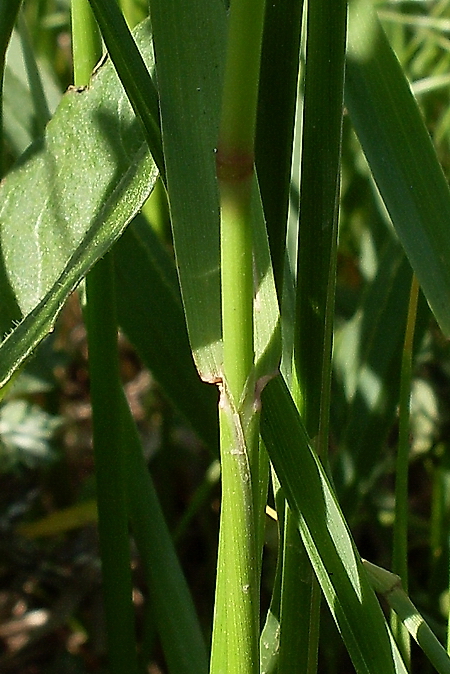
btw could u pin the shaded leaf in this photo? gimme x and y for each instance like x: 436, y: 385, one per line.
x: 151, y: 314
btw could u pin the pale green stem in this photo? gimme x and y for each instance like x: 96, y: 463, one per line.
x: 235, y: 644
x: 237, y: 286
x: 240, y: 89
x: 86, y: 42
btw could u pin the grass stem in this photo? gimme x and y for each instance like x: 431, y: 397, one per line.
x: 235, y: 646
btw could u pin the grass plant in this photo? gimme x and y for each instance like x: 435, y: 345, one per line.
x: 236, y: 123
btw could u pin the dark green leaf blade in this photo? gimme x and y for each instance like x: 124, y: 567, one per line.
x: 151, y: 314
x: 326, y: 536
x: 400, y: 154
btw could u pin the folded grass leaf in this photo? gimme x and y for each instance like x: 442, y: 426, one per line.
x: 326, y: 536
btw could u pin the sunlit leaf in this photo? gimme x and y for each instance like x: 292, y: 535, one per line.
x: 83, y: 183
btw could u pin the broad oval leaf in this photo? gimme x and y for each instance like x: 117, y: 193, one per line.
x: 67, y: 201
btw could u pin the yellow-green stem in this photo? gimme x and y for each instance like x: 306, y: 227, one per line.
x: 237, y: 285
x: 86, y: 42
x: 235, y: 644
x: 240, y: 88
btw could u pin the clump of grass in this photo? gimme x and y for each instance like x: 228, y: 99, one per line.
x: 251, y: 311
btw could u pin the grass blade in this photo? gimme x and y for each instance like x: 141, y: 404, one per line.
x: 171, y: 602
x: 400, y: 154
x: 189, y: 87
x: 335, y: 560
x: 275, y: 121
x: 150, y: 312
x: 132, y: 70
x: 110, y: 468
x: 389, y: 585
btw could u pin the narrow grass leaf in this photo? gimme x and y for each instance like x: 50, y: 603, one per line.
x: 318, y: 216
x: 8, y: 13
x: 325, y: 534
x: 150, y: 312
x: 40, y: 104
x: 110, y: 467
x: 367, y: 365
x: 190, y: 89
x: 133, y: 68
x: 22, y: 123
x: 171, y: 601
x: 390, y: 586
x: 270, y: 634
x: 18, y: 114
x: 275, y: 121
x: 400, y: 154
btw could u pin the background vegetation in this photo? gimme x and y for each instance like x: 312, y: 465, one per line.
x: 51, y: 615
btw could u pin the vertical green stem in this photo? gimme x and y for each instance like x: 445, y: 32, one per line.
x: 106, y: 399
x: 235, y: 157
x: 235, y: 646
x: 237, y: 284
x: 400, y: 549
x: 240, y: 88
x: 86, y: 42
